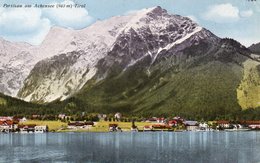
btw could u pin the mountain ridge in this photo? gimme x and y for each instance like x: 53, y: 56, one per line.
x: 158, y: 20
x: 147, y: 63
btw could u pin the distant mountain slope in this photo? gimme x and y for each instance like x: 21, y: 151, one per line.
x: 18, y: 59
x: 255, y: 48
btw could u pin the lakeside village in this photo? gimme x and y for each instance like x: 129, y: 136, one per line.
x: 103, y: 123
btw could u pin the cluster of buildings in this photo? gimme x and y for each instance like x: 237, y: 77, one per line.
x: 11, y: 124
x: 174, y: 123
x: 32, y: 128
x: 182, y: 124
x: 8, y: 124
x: 242, y: 125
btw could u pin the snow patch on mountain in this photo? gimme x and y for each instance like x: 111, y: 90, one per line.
x: 169, y: 46
x: 179, y: 41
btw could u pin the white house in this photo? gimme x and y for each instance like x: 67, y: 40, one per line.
x: 203, y: 126
x: 23, y: 119
x: 61, y: 116
x: 41, y: 129
x: 191, y: 125
x: 118, y: 115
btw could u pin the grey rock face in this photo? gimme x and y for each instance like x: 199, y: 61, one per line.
x: 112, y: 46
x: 146, y: 34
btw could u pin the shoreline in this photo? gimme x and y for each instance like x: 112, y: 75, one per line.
x: 77, y: 131
x: 57, y: 126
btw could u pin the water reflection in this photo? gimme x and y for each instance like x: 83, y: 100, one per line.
x: 132, y: 147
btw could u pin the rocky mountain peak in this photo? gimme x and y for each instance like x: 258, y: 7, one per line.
x: 153, y: 11
x: 158, y: 20
x: 107, y: 47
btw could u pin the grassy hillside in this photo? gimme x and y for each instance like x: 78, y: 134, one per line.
x: 248, y: 93
x: 199, y: 92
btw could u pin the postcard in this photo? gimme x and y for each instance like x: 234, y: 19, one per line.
x: 130, y: 81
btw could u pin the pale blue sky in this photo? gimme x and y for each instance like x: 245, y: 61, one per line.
x: 238, y: 19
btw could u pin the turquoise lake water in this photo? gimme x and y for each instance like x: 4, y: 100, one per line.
x: 179, y: 147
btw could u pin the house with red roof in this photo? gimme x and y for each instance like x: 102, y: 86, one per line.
x: 255, y: 125
x: 223, y: 124
x: 191, y: 125
x: 173, y: 123
x: 7, y: 124
x: 29, y: 128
